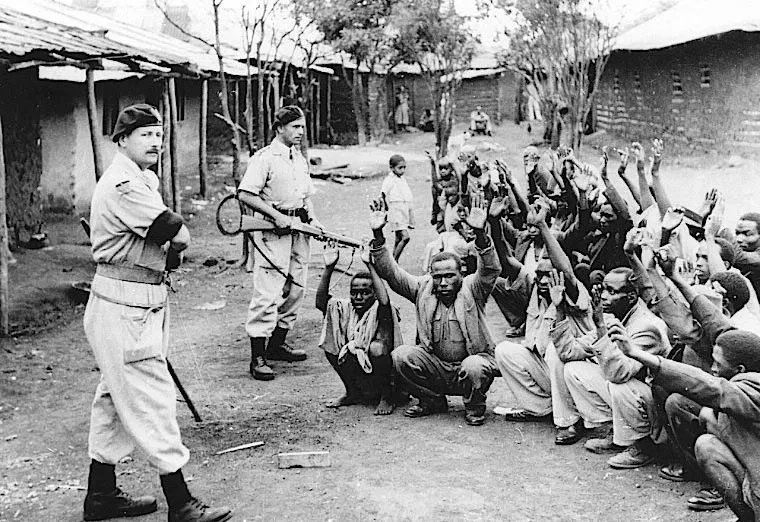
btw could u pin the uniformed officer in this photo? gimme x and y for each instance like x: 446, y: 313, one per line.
x: 277, y: 186
x: 127, y: 326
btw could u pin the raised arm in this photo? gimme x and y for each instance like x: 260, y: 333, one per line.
x: 559, y: 259
x: 646, y: 199
x: 632, y: 188
x: 323, y: 290
x: 488, y: 263
x: 660, y: 194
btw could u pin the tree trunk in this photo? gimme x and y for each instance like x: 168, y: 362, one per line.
x: 174, y: 147
x: 260, y: 119
x: 166, y: 157
x: 4, y: 250
x: 378, y: 108
x: 358, y: 101
x: 202, y: 131
x: 249, y: 106
x: 92, y: 117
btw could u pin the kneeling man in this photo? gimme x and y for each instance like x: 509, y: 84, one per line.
x: 454, y: 354
x: 358, y: 335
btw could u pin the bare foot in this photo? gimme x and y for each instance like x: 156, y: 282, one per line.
x: 343, y: 400
x: 385, y: 407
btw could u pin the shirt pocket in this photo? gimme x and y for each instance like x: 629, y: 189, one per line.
x: 143, y: 334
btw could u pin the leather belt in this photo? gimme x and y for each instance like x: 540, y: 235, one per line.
x: 132, y: 274
x: 292, y: 212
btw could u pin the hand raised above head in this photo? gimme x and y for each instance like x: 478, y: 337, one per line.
x: 330, y: 256
x: 625, y: 156
x: 672, y: 218
x: 478, y: 214
x: 638, y: 152
x: 556, y: 287
x: 666, y: 259
x: 657, y: 148
x: 379, y: 216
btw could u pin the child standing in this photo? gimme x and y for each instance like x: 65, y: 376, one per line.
x: 398, y: 197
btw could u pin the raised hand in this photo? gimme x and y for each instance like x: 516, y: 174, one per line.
x: 625, y: 155
x: 537, y: 214
x: 605, y: 159
x: 620, y: 336
x: 638, y: 152
x: 379, y: 217
x: 478, y: 211
x: 582, y: 180
x: 714, y: 221
x: 633, y: 239
x: 331, y: 256
x: 711, y: 198
x: 667, y: 260
x: 672, y: 218
x: 365, y: 255
x: 596, y: 307
x: 504, y: 171
x: 499, y: 205
x: 657, y: 148
x: 556, y: 287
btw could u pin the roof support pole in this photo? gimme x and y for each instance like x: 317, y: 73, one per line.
x: 202, y: 131
x: 92, y: 117
x: 174, y: 146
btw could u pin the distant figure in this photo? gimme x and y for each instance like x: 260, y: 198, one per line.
x: 426, y: 121
x: 402, y: 109
x: 480, y: 122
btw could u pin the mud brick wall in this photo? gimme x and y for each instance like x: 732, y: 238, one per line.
x: 495, y: 93
x: 702, y: 95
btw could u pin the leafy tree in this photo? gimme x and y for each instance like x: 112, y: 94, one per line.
x: 430, y: 34
x: 360, y: 29
x: 561, y: 47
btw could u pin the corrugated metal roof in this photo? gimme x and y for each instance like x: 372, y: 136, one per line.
x: 47, y: 26
x: 690, y: 20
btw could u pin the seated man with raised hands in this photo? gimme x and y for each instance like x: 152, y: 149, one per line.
x: 718, y: 415
x: 454, y: 350
x: 358, y: 336
x: 532, y: 370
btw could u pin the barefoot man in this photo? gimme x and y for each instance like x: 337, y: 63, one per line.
x: 358, y: 335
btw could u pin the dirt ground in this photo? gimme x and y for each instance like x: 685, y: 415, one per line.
x: 389, y: 468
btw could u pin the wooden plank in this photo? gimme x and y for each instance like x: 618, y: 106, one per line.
x: 174, y: 147
x: 166, y: 159
x: 304, y: 459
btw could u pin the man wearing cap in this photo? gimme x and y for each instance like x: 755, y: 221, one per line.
x: 127, y: 325
x: 276, y: 185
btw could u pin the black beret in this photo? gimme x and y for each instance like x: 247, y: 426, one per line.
x: 134, y: 117
x: 287, y: 114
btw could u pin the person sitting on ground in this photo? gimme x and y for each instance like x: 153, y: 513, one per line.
x: 358, y: 336
x: 398, y: 199
x: 747, y: 251
x: 480, y: 121
x: 427, y: 123
x: 717, y: 417
x: 454, y: 354
x: 609, y: 385
x: 532, y: 370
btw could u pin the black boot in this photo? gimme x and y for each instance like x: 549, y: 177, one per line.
x: 259, y: 367
x: 183, y: 507
x: 278, y: 350
x: 104, y: 500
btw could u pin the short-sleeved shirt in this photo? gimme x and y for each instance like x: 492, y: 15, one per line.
x: 124, y: 205
x: 396, y: 188
x: 280, y: 175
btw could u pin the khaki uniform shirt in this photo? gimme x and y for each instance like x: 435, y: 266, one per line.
x: 124, y: 205
x: 280, y: 175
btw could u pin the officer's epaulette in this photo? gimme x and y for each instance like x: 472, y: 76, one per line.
x: 123, y: 186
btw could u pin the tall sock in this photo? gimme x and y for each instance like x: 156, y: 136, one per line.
x: 258, y: 345
x: 175, y: 489
x: 102, y: 477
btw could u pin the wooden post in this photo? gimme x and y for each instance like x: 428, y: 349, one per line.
x: 328, y: 112
x: 202, y: 131
x: 4, y: 250
x: 166, y: 159
x: 236, y: 117
x: 174, y: 147
x: 92, y: 116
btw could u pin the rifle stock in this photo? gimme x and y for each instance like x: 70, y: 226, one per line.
x: 256, y: 223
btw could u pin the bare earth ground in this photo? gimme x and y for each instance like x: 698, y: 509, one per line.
x: 390, y: 468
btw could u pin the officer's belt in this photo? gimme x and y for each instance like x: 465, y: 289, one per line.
x: 132, y: 274
x: 294, y: 212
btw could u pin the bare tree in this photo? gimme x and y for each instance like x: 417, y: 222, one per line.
x: 433, y: 36
x: 561, y: 48
x: 216, y: 46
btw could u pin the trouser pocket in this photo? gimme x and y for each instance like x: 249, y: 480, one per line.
x: 143, y: 334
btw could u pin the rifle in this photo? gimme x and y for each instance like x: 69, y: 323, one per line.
x: 257, y: 223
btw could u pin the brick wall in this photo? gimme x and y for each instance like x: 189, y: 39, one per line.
x: 702, y: 95
x: 496, y: 94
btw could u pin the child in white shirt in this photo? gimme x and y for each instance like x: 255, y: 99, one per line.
x: 398, y: 196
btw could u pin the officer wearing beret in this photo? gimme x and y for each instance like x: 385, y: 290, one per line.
x: 277, y: 186
x: 127, y: 326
